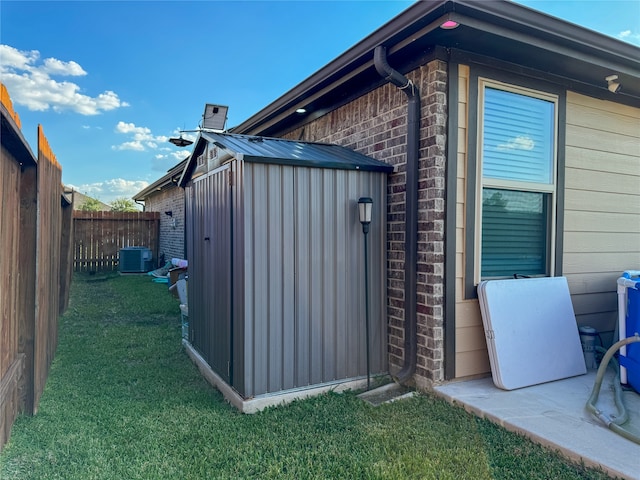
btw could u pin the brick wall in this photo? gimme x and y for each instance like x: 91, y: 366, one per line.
x: 171, y: 228
x: 375, y: 125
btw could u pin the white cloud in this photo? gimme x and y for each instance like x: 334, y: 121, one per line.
x: 163, y: 163
x: 122, y: 186
x: 108, y: 190
x: 54, y: 66
x: 30, y: 84
x: 123, y: 127
x: 14, y: 58
x: 188, y: 135
x: 521, y: 142
x: 180, y: 154
x: 629, y: 36
x: 133, y: 145
x: 141, y: 138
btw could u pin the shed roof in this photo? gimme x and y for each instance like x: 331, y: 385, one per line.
x: 281, y: 151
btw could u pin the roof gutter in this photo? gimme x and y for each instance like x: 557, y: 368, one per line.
x: 504, y: 18
x: 411, y: 208
x: 342, y: 67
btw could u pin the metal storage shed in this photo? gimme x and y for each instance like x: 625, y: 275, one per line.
x: 276, y: 264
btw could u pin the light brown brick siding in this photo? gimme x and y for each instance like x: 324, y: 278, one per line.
x: 375, y: 125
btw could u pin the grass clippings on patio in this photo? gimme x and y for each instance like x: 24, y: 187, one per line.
x: 123, y: 401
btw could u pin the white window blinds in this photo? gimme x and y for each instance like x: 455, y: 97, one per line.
x: 518, y: 137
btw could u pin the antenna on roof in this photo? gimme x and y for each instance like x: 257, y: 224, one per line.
x: 181, y: 141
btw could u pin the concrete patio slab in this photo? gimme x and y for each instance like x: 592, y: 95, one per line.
x: 554, y: 414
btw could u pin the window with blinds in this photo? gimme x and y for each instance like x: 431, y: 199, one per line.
x: 517, y: 182
x: 514, y: 233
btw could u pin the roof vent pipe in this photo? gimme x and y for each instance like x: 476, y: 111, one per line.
x: 411, y: 209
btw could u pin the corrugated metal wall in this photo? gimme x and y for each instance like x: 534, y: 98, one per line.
x: 209, y: 245
x: 304, y: 276
x: 279, y: 285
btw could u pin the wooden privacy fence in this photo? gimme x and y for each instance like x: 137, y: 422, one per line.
x: 99, y: 236
x: 35, y: 265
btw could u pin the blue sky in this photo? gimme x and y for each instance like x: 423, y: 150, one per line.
x: 111, y: 81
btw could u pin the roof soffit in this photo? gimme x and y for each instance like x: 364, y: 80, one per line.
x: 499, y: 29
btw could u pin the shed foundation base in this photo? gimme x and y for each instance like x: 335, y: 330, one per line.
x: 255, y: 404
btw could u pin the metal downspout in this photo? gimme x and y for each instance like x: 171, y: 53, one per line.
x: 411, y: 216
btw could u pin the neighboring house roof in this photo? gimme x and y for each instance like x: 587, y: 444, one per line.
x: 67, y: 199
x: 545, y: 46
x: 78, y: 199
x: 171, y: 178
x: 284, y: 152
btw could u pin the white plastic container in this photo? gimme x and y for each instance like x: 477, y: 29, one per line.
x: 588, y: 341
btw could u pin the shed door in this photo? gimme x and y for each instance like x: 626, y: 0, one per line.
x: 210, y: 277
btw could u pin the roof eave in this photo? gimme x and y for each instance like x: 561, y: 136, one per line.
x: 162, y: 182
x: 345, y: 61
x: 191, y: 160
x: 502, y: 18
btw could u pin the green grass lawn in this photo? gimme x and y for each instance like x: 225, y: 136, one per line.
x: 123, y: 401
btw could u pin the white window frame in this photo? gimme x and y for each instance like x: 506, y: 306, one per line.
x: 516, y: 185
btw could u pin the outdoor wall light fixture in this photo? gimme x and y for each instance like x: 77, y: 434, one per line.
x: 365, y: 206
x: 449, y: 25
x: 180, y: 142
x: 612, y: 84
x: 169, y: 213
x: 301, y: 110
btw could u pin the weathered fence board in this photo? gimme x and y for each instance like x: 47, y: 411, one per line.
x: 66, y: 254
x: 18, y: 192
x: 34, y: 284
x: 49, y: 234
x: 99, y: 236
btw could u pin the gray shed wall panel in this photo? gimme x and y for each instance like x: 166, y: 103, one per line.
x: 304, y: 277
x: 238, y: 255
x: 210, y: 269
x: 276, y: 293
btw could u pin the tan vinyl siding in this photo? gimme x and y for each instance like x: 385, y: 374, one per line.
x: 471, y: 348
x: 602, y: 205
x: 601, y: 234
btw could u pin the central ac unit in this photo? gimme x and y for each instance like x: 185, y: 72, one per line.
x: 135, y: 260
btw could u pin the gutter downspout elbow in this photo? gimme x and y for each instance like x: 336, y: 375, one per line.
x: 411, y: 209
x: 384, y: 69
